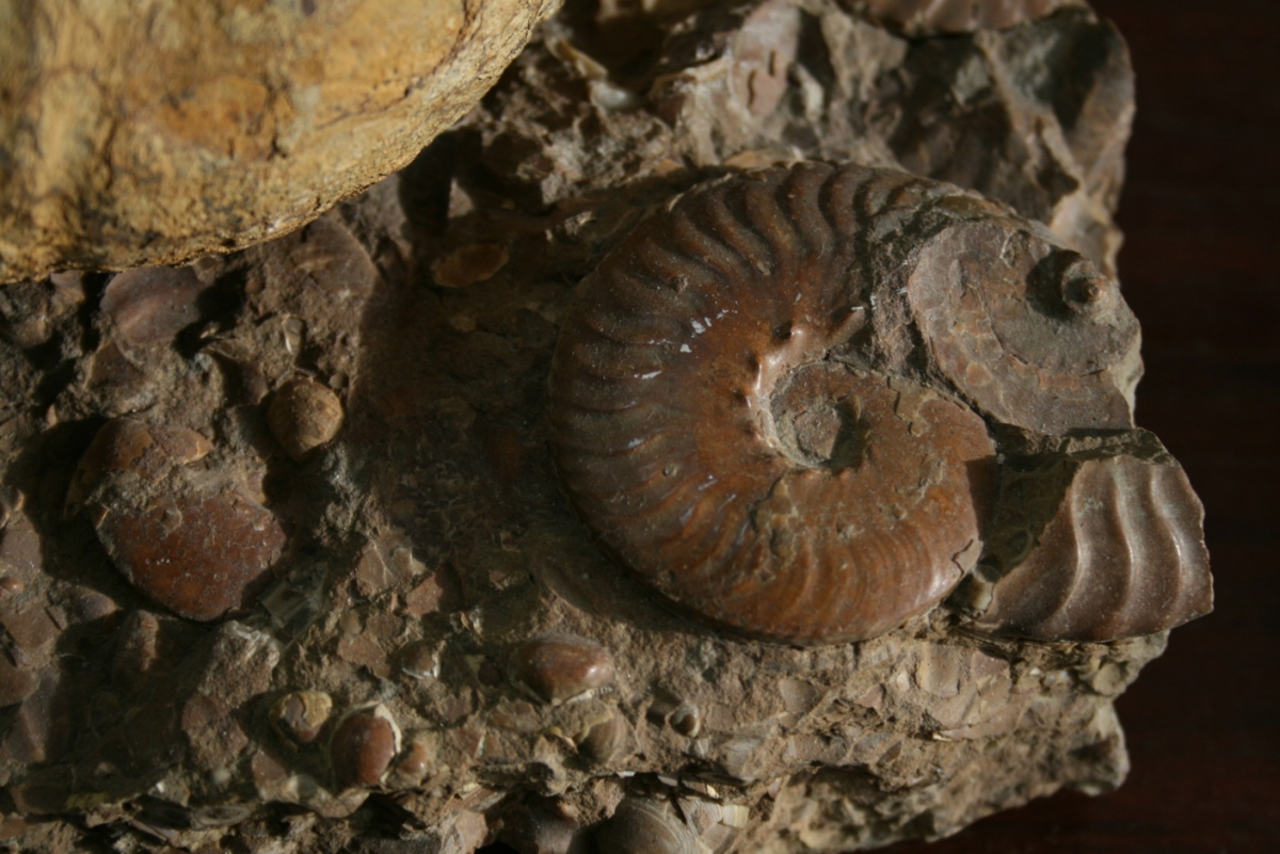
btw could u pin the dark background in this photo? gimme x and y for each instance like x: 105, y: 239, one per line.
x: 1201, y: 216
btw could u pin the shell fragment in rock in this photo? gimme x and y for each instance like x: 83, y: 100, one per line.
x: 192, y: 538
x: 1096, y: 545
x: 645, y: 826
x: 557, y: 668
x: 717, y: 420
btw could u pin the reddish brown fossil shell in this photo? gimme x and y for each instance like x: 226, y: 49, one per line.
x: 363, y: 745
x: 1095, y: 548
x: 192, y: 540
x: 719, y: 428
x: 560, y: 667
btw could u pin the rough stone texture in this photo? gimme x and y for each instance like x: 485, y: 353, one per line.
x: 151, y: 133
x: 928, y: 17
x: 429, y: 543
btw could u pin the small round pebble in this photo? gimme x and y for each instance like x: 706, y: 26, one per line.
x: 303, y: 415
x: 299, y: 716
x: 363, y: 746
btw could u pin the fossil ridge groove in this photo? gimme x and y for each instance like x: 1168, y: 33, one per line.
x: 1094, y: 544
x: 717, y: 424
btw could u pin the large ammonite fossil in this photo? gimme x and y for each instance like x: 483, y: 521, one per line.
x: 777, y: 398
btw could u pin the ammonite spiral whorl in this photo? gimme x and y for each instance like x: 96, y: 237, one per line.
x: 719, y: 427
x: 773, y: 401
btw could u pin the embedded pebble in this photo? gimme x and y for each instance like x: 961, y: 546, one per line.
x: 190, y: 540
x: 418, y: 660
x: 363, y: 745
x: 415, y: 763
x: 606, y: 741
x: 560, y: 667
x: 303, y: 415
x: 686, y: 720
x: 299, y: 716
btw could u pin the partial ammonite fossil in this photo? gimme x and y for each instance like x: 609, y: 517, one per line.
x: 1094, y: 540
x: 773, y: 402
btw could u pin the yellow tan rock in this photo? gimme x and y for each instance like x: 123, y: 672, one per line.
x: 153, y: 132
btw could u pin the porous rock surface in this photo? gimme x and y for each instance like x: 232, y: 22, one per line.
x: 152, y: 133
x: 442, y: 656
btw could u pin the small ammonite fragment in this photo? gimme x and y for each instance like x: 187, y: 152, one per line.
x: 1093, y: 543
x: 1029, y: 331
x: 722, y: 424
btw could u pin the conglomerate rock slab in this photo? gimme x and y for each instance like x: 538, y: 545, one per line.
x: 443, y: 656
x: 152, y: 133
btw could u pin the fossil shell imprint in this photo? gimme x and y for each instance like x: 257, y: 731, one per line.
x: 1095, y: 548
x: 1031, y: 334
x: 716, y: 425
